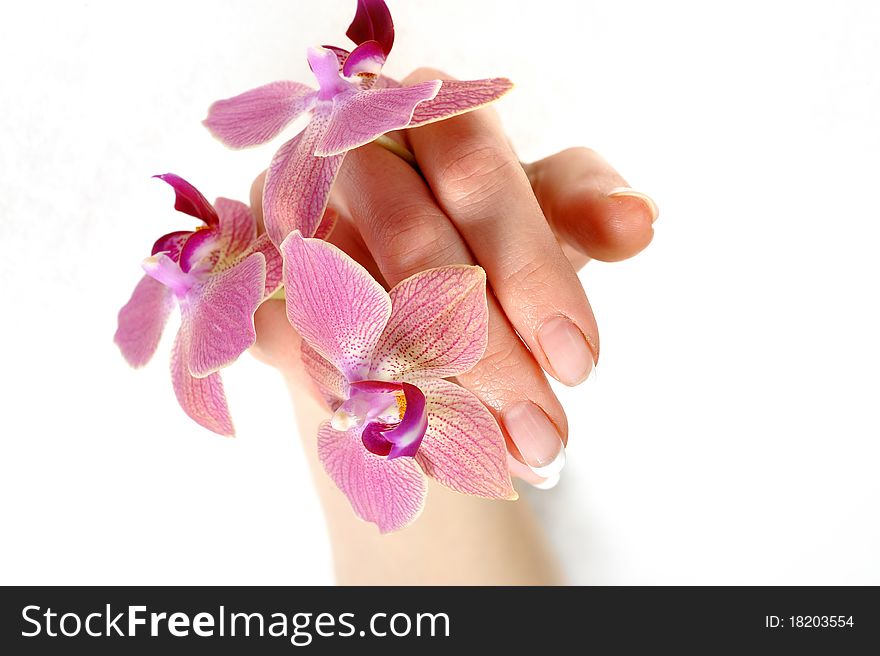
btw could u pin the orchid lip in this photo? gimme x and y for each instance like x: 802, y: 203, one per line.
x: 393, y: 416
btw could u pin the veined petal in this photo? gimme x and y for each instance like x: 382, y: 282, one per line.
x: 334, y: 304
x: 258, y: 115
x: 328, y: 379
x: 438, y: 325
x: 203, y: 399
x: 219, y: 315
x: 463, y: 447
x: 367, y: 59
x: 341, y: 55
x: 274, y: 263
x: 372, y: 22
x: 325, y: 229
x: 457, y: 97
x: 142, y: 320
x: 389, y: 493
x: 298, y: 183
x: 189, y: 200
x: 358, y: 118
x: 238, y: 228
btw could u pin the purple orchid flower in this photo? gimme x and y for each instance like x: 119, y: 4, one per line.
x: 353, y: 105
x: 218, y: 274
x: 379, y: 359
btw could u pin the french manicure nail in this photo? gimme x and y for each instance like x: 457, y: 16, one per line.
x: 547, y: 483
x: 632, y: 193
x: 567, y: 350
x: 536, y: 438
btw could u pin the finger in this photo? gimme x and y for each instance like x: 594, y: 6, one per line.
x: 591, y: 207
x: 406, y: 233
x: 480, y: 184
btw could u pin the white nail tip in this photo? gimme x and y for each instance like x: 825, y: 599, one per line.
x: 548, y: 483
x: 552, y: 469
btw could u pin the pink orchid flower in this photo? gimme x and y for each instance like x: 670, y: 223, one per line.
x: 379, y: 359
x: 218, y: 274
x: 353, y: 105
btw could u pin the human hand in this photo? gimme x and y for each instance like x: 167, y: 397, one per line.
x: 530, y: 226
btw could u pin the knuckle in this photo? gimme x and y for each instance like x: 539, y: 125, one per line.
x: 474, y: 174
x: 412, y: 240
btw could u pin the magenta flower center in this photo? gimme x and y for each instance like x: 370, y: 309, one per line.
x: 392, y: 415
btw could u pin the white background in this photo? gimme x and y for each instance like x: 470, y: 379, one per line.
x: 732, y: 433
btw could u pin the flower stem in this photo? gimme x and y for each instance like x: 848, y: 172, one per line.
x: 401, y: 151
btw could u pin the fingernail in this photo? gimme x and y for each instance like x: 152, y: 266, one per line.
x: 567, y: 350
x: 632, y: 193
x: 536, y: 438
x: 547, y: 483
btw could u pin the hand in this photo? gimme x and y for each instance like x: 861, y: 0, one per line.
x: 530, y: 226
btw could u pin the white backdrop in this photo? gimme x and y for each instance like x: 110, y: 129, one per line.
x: 732, y: 433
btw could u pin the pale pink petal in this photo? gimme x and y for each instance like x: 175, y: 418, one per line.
x: 457, y: 97
x: 274, y: 263
x: 142, y: 320
x: 389, y: 493
x: 358, y: 118
x: 219, y: 315
x: 189, y: 200
x: 438, y: 325
x: 258, y: 115
x: 327, y: 378
x: 238, y: 227
x: 203, y: 399
x: 334, y: 304
x: 298, y: 183
x: 325, y: 229
x: 463, y: 447
x: 372, y: 22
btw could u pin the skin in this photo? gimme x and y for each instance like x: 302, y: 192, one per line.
x: 531, y: 227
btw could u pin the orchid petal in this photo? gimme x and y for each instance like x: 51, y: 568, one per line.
x: 438, y: 326
x: 389, y: 493
x: 189, y: 200
x: 327, y: 378
x: 367, y: 59
x: 325, y: 229
x: 372, y: 22
x: 457, y: 97
x: 298, y: 184
x: 463, y: 447
x: 171, y: 244
x: 257, y: 116
x: 201, y: 246
x: 238, y: 227
x: 358, y: 118
x: 337, y: 307
x: 142, y: 320
x: 203, y: 399
x: 274, y: 263
x: 219, y: 315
